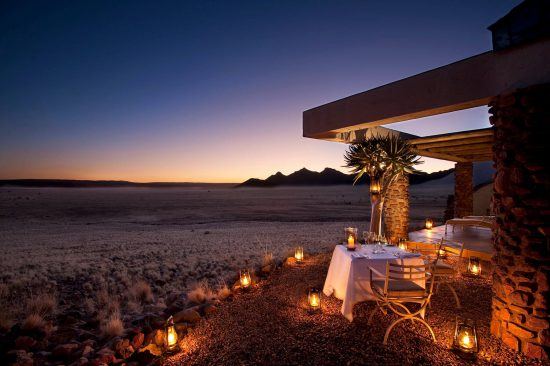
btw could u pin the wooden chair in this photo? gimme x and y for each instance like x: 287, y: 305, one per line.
x: 447, y: 267
x: 397, y: 288
x: 443, y: 261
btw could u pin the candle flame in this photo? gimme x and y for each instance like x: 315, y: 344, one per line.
x: 466, y: 341
x: 172, y: 336
x: 299, y: 254
x: 314, y: 301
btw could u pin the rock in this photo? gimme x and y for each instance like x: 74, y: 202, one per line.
x: 19, y: 358
x: 187, y: 315
x: 146, y: 355
x: 105, y: 355
x: 25, y: 343
x: 126, y: 352
x: 137, y: 340
x: 89, y: 342
x: 81, y: 361
x: 65, y: 351
x: 123, y: 348
x: 155, y: 337
x: 87, y: 351
x: 153, y: 349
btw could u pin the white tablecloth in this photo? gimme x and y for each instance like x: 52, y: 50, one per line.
x: 348, y: 276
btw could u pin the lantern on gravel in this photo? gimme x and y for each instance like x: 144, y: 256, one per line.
x: 314, y: 299
x: 299, y: 254
x: 170, y: 336
x: 429, y: 224
x: 245, y: 279
x: 465, y: 340
x: 474, y: 266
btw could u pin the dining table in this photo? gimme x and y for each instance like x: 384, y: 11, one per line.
x: 348, y: 277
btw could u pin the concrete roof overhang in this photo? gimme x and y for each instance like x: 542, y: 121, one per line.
x: 468, y: 83
x: 464, y: 146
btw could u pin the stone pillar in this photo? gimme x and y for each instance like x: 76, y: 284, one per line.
x: 464, y: 189
x: 520, y: 311
x: 396, y: 209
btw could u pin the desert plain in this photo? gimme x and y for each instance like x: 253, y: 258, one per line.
x: 80, y: 244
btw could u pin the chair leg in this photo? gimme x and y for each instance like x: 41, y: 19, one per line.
x: 378, y: 307
x: 427, y: 326
x: 454, y: 294
x: 413, y: 319
x: 388, y: 331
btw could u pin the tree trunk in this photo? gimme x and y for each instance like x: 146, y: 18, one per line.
x: 377, y: 205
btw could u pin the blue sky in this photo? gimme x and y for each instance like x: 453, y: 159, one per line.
x: 210, y: 90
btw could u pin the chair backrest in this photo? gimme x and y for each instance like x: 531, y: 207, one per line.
x: 406, y: 272
x: 430, y: 252
x: 450, y: 251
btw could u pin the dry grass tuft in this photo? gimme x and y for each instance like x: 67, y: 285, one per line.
x: 33, y: 321
x: 267, y: 259
x: 223, y: 292
x: 201, y: 292
x: 141, y: 291
x: 112, y: 326
x: 42, y: 304
x: 134, y: 307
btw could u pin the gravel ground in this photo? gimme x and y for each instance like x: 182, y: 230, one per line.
x: 270, y: 325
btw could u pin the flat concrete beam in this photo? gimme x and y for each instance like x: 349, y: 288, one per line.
x: 441, y: 156
x: 468, y: 83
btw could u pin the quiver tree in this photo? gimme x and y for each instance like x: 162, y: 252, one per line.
x: 383, y: 159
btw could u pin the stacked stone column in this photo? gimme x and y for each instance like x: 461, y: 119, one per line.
x: 520, y: 312
x: 396, y: 209
x: 464, y: 189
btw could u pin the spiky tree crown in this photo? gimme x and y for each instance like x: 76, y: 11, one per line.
x: 381, y: 157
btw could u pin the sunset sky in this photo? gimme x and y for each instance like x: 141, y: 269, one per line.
x: 210, y: 91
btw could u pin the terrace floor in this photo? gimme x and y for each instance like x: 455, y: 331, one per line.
x: 269, y: 325
x: 477, y: 241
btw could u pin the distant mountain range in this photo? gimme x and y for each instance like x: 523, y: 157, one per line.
x: 304, y: 177
x: 328, y: 176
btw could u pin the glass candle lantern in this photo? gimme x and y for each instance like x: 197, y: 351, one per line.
x: 374, y: 187
x: 314, y: 299
x: 474, y: 266
x: 429, y: 224
x: 170, y: 336
x: 402, y: 244
x: 245, y: 279
x: 299, y: 254
x: 350, y: 236
x: 465, y: 339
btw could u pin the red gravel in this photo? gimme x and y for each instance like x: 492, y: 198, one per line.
x: 270, y: 325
